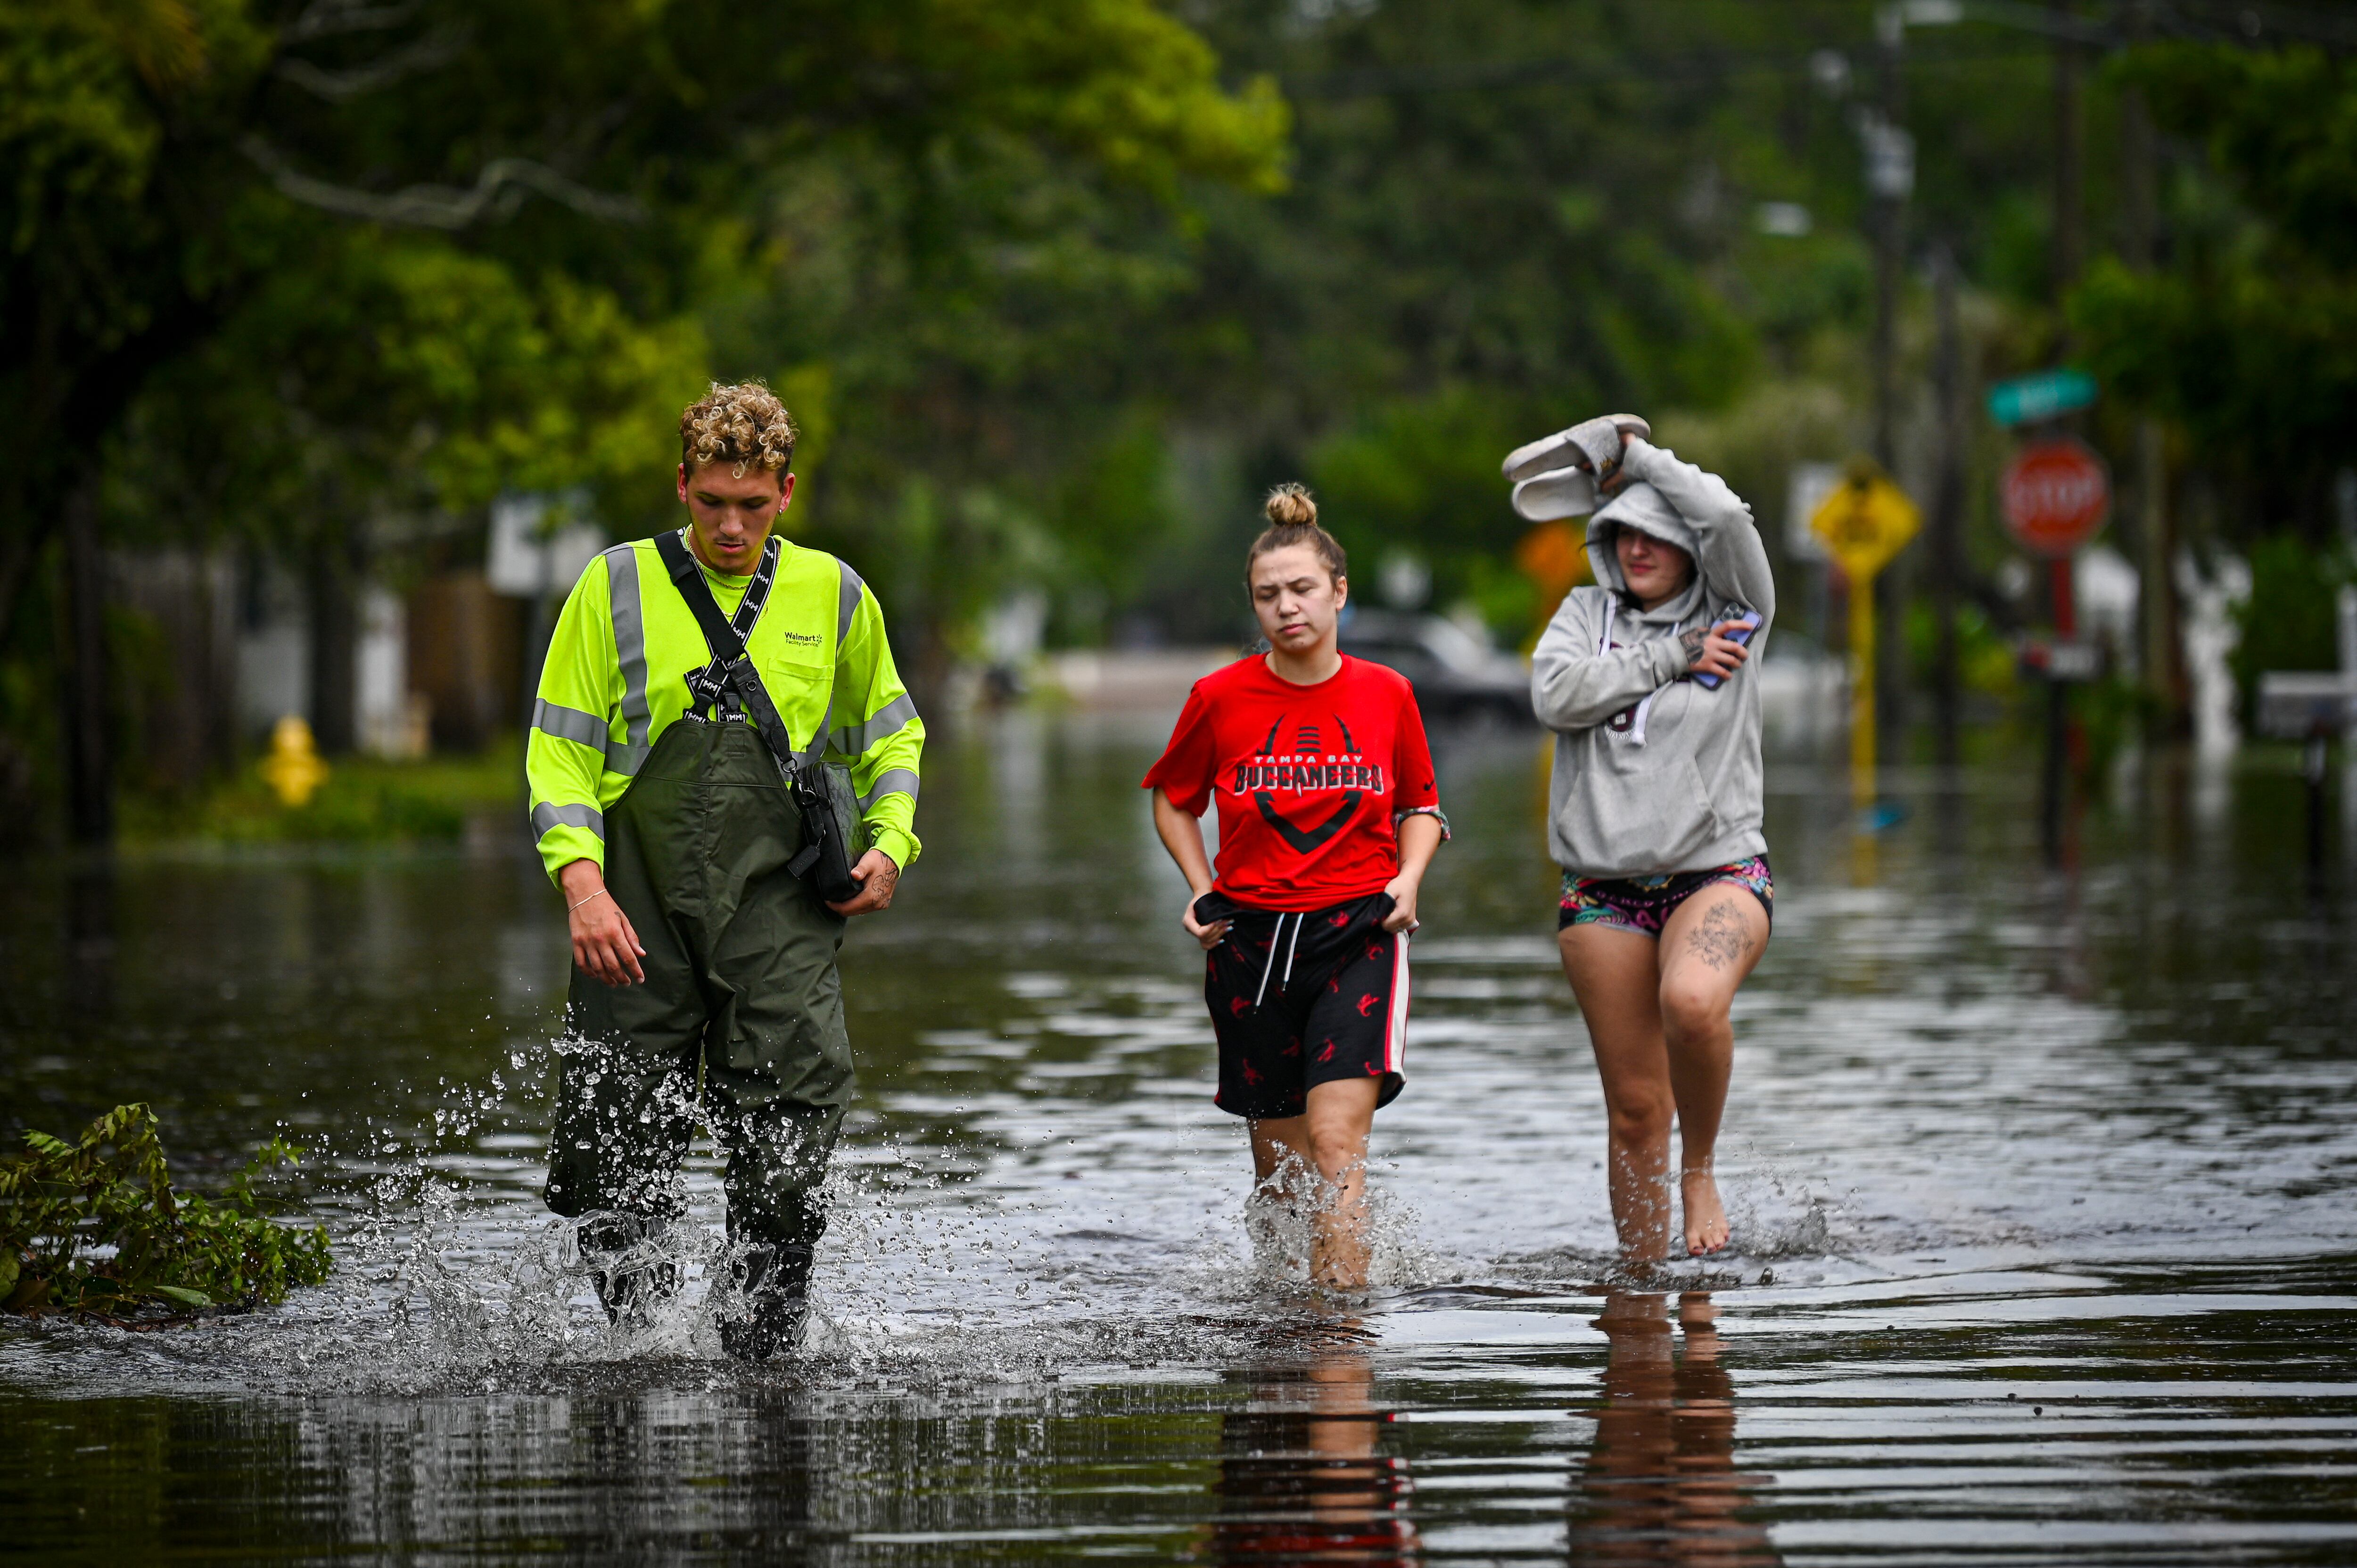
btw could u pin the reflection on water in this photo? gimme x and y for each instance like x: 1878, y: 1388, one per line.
x: 2042, y: 1186
x: 1660, y: 1485
x: 1303, y: 1477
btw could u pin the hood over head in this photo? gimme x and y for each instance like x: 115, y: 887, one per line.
x: 1646, y: 510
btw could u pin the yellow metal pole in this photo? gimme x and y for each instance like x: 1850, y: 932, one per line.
x: 1861, y: 689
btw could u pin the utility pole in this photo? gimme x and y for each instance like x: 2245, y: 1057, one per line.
x: 2069, y: 167
x: 2065, y: 743
x: 1947, y: 508
x: 2162, y: 653
x: 1890, y: 177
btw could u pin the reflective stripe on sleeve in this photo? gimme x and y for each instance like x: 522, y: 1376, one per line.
x: 853, y: 740
x: 891, y: 781
x: 847, y: 605
x: 630, y: 641
x: 569, y: 724
x: 546, y: 815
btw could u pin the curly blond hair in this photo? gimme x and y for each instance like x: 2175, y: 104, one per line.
x: 742, y: 424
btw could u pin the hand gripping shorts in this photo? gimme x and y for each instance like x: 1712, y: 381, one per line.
x: 1299, y: 1000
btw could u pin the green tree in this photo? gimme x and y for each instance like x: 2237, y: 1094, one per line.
x: 2248, y: 339
x: 335, y: 259
x: 1508, y: 214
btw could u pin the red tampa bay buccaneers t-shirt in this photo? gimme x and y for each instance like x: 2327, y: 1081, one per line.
x: 1311, y: 781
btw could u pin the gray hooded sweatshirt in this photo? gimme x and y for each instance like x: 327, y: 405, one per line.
x: 1653, y: 773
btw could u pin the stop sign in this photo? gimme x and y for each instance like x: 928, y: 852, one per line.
x: 2056, y: 495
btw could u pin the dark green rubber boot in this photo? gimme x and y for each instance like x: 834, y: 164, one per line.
x: 632, y: 1273
x: 768, y: 1304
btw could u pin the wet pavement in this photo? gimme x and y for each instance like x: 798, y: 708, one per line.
x: 2040, y: 1183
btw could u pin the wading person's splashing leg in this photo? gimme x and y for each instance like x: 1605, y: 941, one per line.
x: 691, y: 679
x: 1656, y: 1009
x: 1657, y: 807
x: 1329, y: 815
x: 1315, y: 1164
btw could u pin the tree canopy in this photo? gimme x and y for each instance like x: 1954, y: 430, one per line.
x: 2249, y: 339
x: 402, y: 256
x: 1056, y: 288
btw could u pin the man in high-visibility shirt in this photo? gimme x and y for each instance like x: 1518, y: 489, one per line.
x: 703, y: 983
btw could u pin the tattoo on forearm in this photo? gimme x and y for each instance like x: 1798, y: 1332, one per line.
x: 1692, y: 641
x: 1720, y: 941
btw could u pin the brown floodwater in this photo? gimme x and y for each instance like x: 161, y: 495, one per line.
x: 2041, y: 1182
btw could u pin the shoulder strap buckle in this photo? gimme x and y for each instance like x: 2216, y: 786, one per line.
x: 709, y: 690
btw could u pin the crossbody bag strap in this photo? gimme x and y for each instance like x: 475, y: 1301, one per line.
x: 728, y: 649
x: 708, y: 690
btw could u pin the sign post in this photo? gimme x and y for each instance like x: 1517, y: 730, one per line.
x: 1864, y: 521
x: 2056, y: 494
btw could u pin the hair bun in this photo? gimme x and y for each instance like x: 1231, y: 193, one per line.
x: 1292, y: 520
x: 1290, y: 505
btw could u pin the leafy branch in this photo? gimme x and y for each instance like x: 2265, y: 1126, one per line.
x: 94, y: 1230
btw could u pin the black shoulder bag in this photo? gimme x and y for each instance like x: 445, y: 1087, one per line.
x: 824, y: 861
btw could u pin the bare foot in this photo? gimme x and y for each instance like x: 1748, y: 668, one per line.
x: 1706, y: 1216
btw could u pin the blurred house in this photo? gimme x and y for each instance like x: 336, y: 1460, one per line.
x: 278, y: 660
x: 465, y: 659
x: 212, y: 648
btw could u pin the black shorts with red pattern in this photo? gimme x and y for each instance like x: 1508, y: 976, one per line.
x: 1301, y: 1000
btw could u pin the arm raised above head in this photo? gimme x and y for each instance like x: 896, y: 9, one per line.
x: 1733, y: 559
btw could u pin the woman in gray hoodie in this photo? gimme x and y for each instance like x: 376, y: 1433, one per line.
x: 1655, y: 811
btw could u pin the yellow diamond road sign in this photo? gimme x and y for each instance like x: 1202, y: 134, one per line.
x: 1864, y: 521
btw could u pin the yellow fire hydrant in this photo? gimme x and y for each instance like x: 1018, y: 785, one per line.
x: 292, y: 768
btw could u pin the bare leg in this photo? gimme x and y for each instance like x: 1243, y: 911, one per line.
x: 1707, y: 947
x: 1613, y: 974
x: 1329, y: 1140
x: 1283, y: 1168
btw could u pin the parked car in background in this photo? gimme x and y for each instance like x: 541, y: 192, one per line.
x: 1804, y: 698
x: 1456, y: 673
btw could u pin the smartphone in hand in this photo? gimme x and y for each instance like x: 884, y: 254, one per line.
x: 1740, y: 636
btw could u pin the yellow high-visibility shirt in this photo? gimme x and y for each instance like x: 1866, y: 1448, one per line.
x: 617, y: 672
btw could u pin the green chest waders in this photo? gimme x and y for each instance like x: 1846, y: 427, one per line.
x: 741, y: 991
x: 740, y: 1023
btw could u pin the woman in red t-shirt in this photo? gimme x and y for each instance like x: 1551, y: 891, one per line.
x: 1329, y: 815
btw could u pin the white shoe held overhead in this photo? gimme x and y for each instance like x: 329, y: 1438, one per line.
x: 1565, y: 492
x: 1592, y: 444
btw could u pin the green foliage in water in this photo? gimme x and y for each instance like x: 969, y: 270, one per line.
x: 93, y: 1228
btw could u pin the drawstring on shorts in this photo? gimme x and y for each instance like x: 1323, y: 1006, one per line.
x: 1274, y: 938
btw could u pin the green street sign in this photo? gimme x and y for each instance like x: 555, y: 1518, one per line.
x: 2042, y: 396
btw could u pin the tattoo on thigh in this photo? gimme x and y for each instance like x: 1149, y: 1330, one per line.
x: 1720, y: 941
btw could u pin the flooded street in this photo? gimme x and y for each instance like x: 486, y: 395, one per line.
x: 2041, y: 1183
